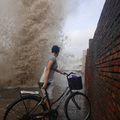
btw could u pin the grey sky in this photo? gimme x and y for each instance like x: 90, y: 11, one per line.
x: 81, y: 24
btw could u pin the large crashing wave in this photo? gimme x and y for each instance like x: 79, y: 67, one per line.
x: 28, y: 29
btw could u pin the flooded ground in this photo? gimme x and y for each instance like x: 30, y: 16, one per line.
x: 9, y: 95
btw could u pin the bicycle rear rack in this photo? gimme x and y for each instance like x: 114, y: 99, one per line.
x: 24, y: 92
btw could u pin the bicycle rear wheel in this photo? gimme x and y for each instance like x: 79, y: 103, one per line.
x: 77, y: 107
x: 24, y: 108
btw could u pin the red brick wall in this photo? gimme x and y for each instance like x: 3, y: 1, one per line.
x: 87, y: 72
x: 103, y: 65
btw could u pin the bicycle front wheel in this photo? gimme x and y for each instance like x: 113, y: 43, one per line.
x: 77, y: 107
x: 24, y: 108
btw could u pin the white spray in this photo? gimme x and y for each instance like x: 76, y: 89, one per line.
x: 28, y: 29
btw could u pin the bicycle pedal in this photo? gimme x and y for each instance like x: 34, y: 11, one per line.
x: 37, y: 118
x: 46, y: 112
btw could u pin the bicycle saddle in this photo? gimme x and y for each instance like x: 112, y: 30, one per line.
x: 41, y: 84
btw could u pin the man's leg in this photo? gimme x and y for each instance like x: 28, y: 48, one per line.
x: 51, y: 101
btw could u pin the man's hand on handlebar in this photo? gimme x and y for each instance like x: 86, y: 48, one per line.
x: 63, y: 73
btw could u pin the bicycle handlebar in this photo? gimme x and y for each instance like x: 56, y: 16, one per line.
x: 69, y: 74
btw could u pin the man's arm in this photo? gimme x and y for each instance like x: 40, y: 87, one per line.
x: 50, y: 63
x: 61, y: 72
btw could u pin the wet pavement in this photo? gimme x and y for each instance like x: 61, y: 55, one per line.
x: 9, y: 95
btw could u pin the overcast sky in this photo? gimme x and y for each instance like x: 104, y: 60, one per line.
x: 81, y: 24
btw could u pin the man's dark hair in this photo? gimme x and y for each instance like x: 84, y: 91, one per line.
x: 55, y: 49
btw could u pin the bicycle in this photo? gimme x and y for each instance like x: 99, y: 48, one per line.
x: 32, y: 107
